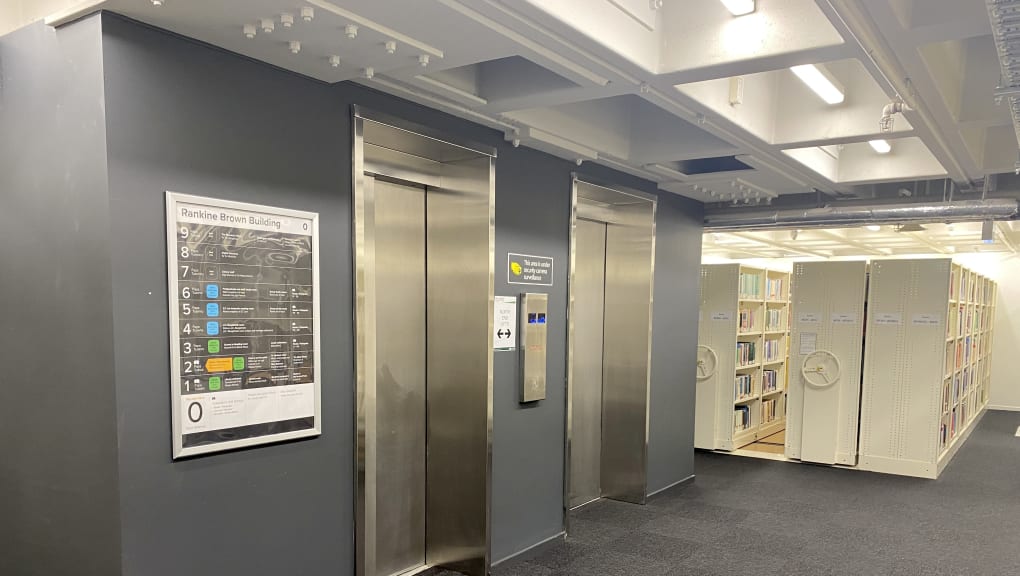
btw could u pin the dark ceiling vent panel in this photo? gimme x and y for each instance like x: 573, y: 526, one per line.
x: 708, y: 165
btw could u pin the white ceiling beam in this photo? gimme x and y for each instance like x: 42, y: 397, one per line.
x: 921, y: 238
x: 896, y: 62
x: 780, y: 245
x: 843, y: 239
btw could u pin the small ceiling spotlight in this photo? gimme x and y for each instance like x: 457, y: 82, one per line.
x: 794, y: 234
x: 579, y: 161
x: 423, y: 60
x: 249, y: 31
x: 368, y: 73
x: 268, y: 25
x: 157, y: 2
x: 820, y: 82
x: 739, y: 7
x: 334, y: 61
x: 351, y: 31
x: 391, y: 46
x: 287, y: 19
x: 873, y: 227
x: 294, y: 46
x: 880, y: 146
x: 307, y: 13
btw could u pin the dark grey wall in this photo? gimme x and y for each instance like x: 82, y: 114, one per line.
x: 532, y: 217
x: 678, y: 229
x: 189, y: 118
x: 58, y: 425
x: 186, y: 118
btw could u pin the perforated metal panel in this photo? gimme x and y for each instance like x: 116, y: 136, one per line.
x: 827, y: 314
x: 717, y: 329
x: 903, y: 367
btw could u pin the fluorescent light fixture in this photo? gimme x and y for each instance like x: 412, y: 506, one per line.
x: 739, y: 7
x: 880, y: 146
x: 820, y: 82
x: 873, y: 227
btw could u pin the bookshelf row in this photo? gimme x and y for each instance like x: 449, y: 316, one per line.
x: 967, y: 374
x: 757, y: 302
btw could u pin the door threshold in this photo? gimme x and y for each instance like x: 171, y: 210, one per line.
x: 747, y: 453
x: 579, y: 506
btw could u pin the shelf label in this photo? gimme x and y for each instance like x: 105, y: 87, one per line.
x: 808, y: 342
x: 844, y: 317
x: 809, y: 317
x: 722, y: 316
x: 888, y: 318
x: 926, y: 319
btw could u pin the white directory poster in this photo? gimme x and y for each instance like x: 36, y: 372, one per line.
x: 244, y: 324
x: 504, y: 325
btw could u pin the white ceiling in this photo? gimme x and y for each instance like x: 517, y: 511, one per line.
x: 942, y: 239
x: 642, y: 89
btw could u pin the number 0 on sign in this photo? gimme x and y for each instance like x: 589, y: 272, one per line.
x: 244, y: 324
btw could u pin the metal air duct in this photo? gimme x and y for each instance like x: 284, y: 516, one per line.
x: 830, y: 216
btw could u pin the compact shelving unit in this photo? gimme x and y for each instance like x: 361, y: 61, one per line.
x: 743, y: 336
x: 927, y: 363
x: 967, y: 358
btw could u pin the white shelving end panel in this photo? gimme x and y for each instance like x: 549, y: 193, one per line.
x: 717, y: 330
x: 901, y: 405
x: 828, y: 315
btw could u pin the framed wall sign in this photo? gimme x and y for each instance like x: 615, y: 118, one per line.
x: 244, y: 324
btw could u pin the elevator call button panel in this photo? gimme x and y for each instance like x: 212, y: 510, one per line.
x: 534, y: 309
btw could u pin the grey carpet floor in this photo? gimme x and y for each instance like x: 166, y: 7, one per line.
x: 755, y: 517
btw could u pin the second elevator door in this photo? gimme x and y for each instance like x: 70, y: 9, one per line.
x: 589, y: 294
x: 400, y: 377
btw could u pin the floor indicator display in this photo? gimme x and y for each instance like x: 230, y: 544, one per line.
x: 244, y: 324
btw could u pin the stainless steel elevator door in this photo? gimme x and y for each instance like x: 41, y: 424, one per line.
x: 586, y: 402
x: 400, y: 377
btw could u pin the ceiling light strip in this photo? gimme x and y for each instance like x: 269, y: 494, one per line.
x: 372, y: 25
x: 820, y: 82
x: 880, y: 146
x: 739, y: 7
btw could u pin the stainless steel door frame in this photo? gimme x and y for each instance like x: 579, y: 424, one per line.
x: 459, y: 204
x: 620, y: 206
x: 588, y: 296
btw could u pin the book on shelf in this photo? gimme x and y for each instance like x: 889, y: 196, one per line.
x: 768, y: 411
x: 774, y: 288
x: 741, y: 418
x: 750, y: 287
x: 744, y: 387
x: 774, y: 350
x: 769, y: 381
x: 746, y: 319
x: 745, y: 353
x: 774, y: 319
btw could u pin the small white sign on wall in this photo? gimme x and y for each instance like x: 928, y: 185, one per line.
x: 926, y: 319
x: 809, y: 317
x: 808, y: 342
x: 722, y: 316
x: 504, y: 323
x: 844, y: 317
x: 888, y: 318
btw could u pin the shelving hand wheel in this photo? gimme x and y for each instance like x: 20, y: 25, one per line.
x: 821, y: 369
x: 707, y: 362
